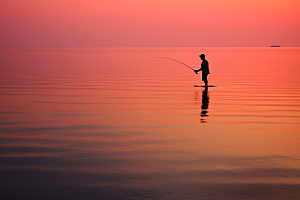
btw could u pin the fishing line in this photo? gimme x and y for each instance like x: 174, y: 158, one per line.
x: 176, y: 61
x: 180, y: 63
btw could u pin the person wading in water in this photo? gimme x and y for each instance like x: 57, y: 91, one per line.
x: 204, y: 68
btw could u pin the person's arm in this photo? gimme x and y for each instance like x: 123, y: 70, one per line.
x: 196, y: 71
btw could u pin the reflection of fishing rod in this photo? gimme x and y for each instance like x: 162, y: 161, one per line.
x: 178, y: 62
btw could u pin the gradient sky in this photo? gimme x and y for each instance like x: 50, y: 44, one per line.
x: 96, y: 23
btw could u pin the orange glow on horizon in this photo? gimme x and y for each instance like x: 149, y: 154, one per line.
x: 153, y: 23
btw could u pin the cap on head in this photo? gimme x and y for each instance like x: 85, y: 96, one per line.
x: 202, y: 56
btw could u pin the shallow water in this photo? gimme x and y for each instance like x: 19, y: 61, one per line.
x: 109, y: 123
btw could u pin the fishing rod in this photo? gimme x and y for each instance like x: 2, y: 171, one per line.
x: 178, y: 62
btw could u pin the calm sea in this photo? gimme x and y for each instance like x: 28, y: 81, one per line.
x: 116, y: 123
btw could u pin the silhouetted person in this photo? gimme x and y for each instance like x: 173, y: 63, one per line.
x: 204, y: 68
x: 204, y: 106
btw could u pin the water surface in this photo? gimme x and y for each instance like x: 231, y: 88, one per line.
x: 109, y: 123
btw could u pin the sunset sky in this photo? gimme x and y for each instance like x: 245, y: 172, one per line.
x: 174, y: 23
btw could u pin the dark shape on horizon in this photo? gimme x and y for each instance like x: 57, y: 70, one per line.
x: 275, y: 46
x: 204, y: 68
x: 204, y: 106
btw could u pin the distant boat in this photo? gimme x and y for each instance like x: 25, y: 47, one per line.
x: 275, y: 46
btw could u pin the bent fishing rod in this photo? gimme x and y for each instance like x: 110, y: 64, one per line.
x: 178, y: 62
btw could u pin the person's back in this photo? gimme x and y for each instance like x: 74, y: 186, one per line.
x: 204, y: 68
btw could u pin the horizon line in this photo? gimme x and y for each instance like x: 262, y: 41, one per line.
x: 138, y: 46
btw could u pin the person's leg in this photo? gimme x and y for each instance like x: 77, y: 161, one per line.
x: 206, y: 82
x: 204, y: 78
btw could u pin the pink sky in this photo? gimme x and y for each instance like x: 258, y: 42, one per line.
x: 96, y: 23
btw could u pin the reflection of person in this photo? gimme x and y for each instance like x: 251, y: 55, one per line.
x: 204, y: 106
x: 204, y: 68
